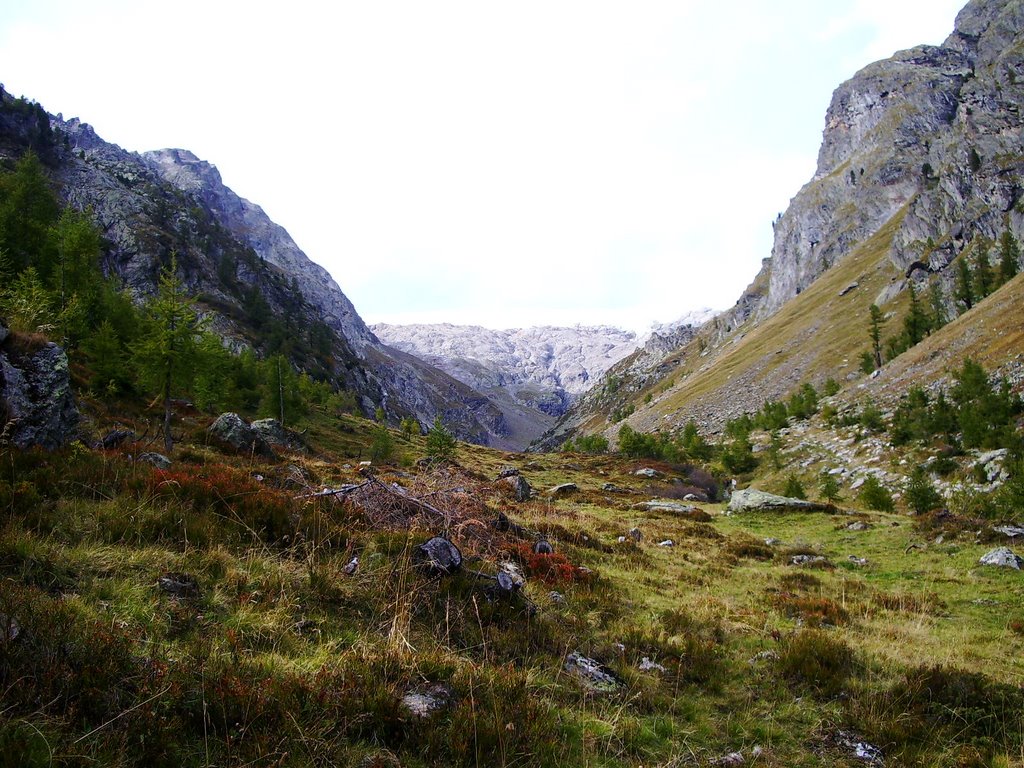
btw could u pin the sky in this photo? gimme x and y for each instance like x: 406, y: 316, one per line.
x: 503, y: 164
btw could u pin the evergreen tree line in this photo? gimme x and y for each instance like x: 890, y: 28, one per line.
x: 929, y: 313
x: 51, y: 283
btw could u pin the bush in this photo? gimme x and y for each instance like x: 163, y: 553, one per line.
x: 828, y: 486
x: 440, y: 442
x: 794, y: 488
x: 921, y: 494
x: 874, y: 495
x: 817, y: 662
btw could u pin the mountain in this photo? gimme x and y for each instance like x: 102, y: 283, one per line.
x: 246, y: 272
x: 533, y: 374
x: 920, y: 168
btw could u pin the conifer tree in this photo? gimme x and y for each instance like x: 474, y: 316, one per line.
x: 983, y: 272
x: 1009, y: 257
x: 964, y: 284
x: 166, y: 348
x: 104, y: 351
x: 875, y: 331
x: 937, y: 302
x: 440, y: 442
x: 916, y: 322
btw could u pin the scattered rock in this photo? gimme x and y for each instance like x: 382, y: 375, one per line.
x: 858, y: 560
x: 647, y: 472
x: 613, y: 488
x: 179, y: 585
x: 158, y: 460
x: 115, y: 438
x: 751, y: 500
x: 556, y: 597
x: 666, y: 543
x: 543, y: 547
x: 9, y: 627
x: 851, y: 287
x: 768, y: 655
x: 380, y: 759
x: 635, y: 535
x: 231, y: 430
x: 514, y: 575
x: 426, y: 702
x: 1013, y: 531
x: 592, y: 673
x: 770, y: 542
x: 859, y: 748
x: 646, y: 665
x: 688, y: 511
x: 732, y: 759
x: 807, y: 559
x: 351, y: 566
x: 521, y: 490
x: 858, y: 526
x: 1002, y: 557
x: 276, y: 434
x: 438, y: 556
x: 507, y: 472
x: 563, y: 490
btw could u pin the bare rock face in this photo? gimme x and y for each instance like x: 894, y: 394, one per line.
x: 930, y: 135
x: 36, y: 397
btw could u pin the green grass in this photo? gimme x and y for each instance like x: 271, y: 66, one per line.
x: 282, y: 659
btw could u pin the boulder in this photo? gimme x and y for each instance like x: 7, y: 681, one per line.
x: 563, y: 490
x: 438, y: 556
x: 517, y: 484
x: 752, y: 500
x: 35, y: 394
x: 231, y: 429
x: 647, y: 472
x: 279, y: 436
x: 115, y: 438
x: 543, y: 547
x: 1002, y: 557
x: 158, y: 460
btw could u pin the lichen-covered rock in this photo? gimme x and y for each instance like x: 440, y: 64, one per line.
x: 158, y: 460
x: 593, y: 674
x: 278, y: 435
x: 563, y: 490
x: 35, y: 394
x: 752, y: 500
x: 232, y: 430
x: 1002, y: 557
x: 518, y: 486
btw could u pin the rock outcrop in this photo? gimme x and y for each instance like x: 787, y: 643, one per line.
x: 37, y: 406
x: 752, y: 500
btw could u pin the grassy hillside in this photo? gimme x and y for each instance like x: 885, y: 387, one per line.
x: 203, y: 616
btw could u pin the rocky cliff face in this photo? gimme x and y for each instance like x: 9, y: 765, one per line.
x: 245, y: 271
x: 532, y: 374
x: 932, y: 134
x: 921, y: 161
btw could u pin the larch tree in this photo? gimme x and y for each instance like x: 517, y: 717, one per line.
x: 166, y: 349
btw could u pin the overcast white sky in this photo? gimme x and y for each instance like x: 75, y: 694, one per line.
x: 498, y: 163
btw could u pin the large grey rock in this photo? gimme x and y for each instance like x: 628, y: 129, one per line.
x: 752, y: 500
x: 1003, y: 557
x: 563, y: 490
x: 438, y: 556
x: 233, y: 430
x: 278, y: 435
x: 35, y: 394
x: 518, y: 485
x: 158, y: 460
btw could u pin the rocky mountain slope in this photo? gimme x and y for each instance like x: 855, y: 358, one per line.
x: 920, y: 164
x: 532, y: 374
x: 246, y: 272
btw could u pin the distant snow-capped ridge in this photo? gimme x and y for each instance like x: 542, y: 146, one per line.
x: 558, y: 359
x: 694, y: 318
